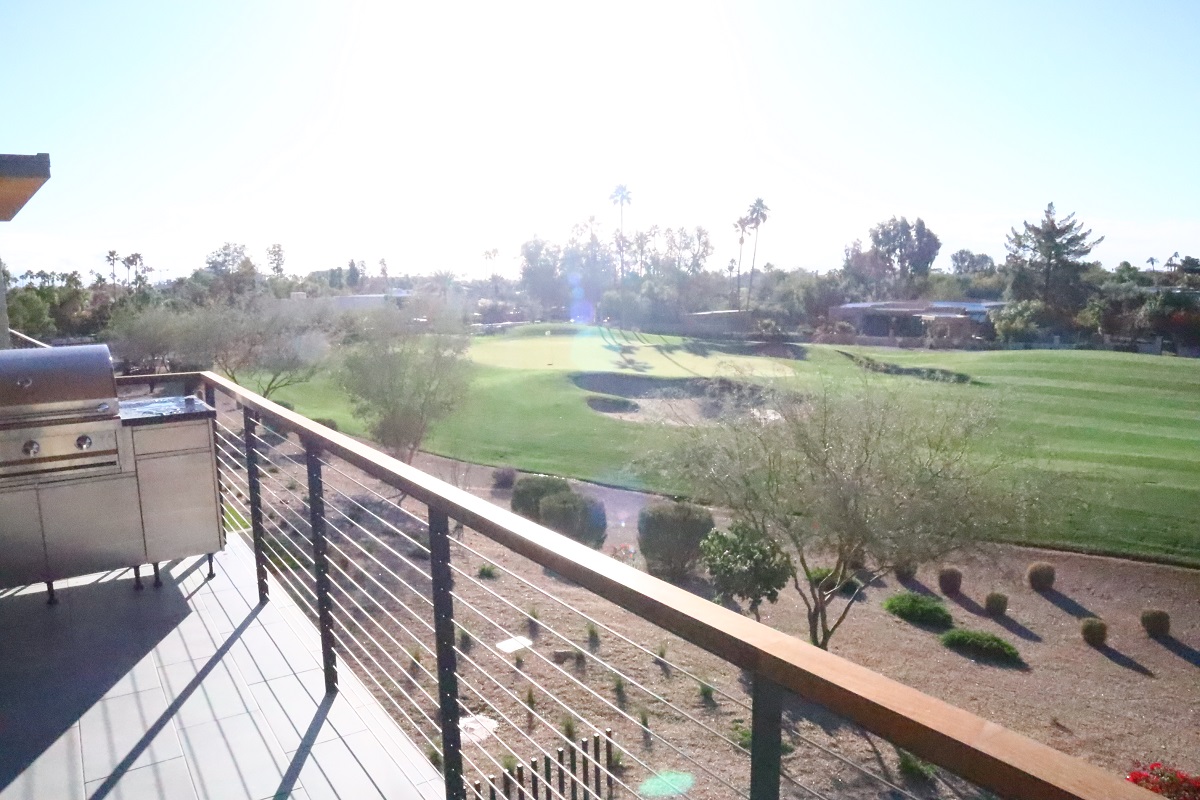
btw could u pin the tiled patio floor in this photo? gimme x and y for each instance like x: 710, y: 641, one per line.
x: 186, y: 691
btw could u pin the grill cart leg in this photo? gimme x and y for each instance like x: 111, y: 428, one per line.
x: 211, y: 574
x: 137, y: 579
x: 52, y: 601
x: 157, y: 579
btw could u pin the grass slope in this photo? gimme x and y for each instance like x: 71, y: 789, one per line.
x: 1118, y: 432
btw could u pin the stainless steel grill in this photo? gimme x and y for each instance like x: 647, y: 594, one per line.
x: 88, y: 484
x: 58, y: 413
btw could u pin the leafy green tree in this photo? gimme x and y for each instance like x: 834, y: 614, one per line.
x: 1046, y: 262
x: 746, y: 564
x: 275, y: 259
x: 1019, y: 321
x: 541, y: 277
x: 403, y: 376
x: 353, y: 275
x: 876, y: 476
x: 964, y: 262
x: 907, y: 251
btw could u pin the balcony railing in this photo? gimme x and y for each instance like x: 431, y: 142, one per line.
x: 532, y: 666
x: 18, y: 340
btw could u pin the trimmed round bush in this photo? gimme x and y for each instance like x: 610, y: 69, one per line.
x: 1040, y: 576
x: 327, y: 422
x: 503, y: 477
x: 669, y: 536
x: 981, y: 646
x: 919, y: 609
x: 1095, y: 631
x: 528, y: 493
x: 905, y: 570
x: 949, y: 580
x: 573, y: 515
x: 996, y: 604
x: 1157, y: 623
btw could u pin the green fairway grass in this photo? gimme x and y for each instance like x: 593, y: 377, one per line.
x: 1117, y: 436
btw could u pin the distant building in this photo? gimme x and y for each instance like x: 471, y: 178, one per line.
x: 942, y: 319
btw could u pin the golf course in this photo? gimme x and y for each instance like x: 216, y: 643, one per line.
x: 1116, y: 436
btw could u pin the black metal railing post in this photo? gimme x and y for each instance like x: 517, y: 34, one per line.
x: 447, y: 660
x: 766, y: 739
x: 316, y: 519
x: 254, y: 487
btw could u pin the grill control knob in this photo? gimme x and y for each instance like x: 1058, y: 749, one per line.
x: 84, y: 442
x: 31, y: 448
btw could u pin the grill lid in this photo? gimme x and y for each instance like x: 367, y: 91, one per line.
x: 57, y: 383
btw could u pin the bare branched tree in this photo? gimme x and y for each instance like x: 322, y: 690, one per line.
x: 855, y: 481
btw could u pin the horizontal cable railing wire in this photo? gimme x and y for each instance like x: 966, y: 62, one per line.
x: 929, y: 728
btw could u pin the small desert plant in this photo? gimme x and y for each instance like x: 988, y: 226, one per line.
x: 706, y: 694
x: 914, y: 768
x: 529, y: 491
x: 905, y: 570
x: 504, y: 477
x: 465, y: 641
x: 981, y: 645
x: 1040, y: 576
x: 644, y: 718
x: 661, y: 653
x: 1095, y: 631
x: 530, y: 698
x: 487, y: 572
x: 949, y: 580
x: 996, y: 604
x: 509, y: 763
x: 414, y: 659
x: 593, y: 634
x: 435, y: 757
x: 1157, y: 623
x: 568, y: 728
x: 575, y: 516
x: 533, y: 622
x: 669, y: 536
x: 580, y: 659
x: 292, y: 485
x: 919, y: 609
x: 519, y: 661
x: 619, y: 688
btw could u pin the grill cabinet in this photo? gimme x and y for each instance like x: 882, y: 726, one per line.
x: 89, y: 484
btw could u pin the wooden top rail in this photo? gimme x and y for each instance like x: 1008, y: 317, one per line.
x: 991, y: 756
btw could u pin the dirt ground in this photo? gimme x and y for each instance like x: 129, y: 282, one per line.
x: 1137, y: 698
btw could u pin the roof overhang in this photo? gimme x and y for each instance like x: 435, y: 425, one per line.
x: 20, y: 178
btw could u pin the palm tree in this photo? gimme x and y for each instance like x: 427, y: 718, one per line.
x: 756, y: 216
x: 1152, y: 261
x: 620, y: 197
x: 741, y: 226
x: 112, y: 260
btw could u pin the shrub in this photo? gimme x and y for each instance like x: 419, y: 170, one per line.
x: 504, y: 477
x: 528, y: 493
x: 1157, y: 623
x: 1166, y: 781
x: 996, y: 604
x: 949, y: 580
x: 1040, y: 576
x: 745, y: 564
x: 706, y: 693
x: 919, y: 609
x: 905, y: 570
x: 982, y: 646
x: 669, y: 535
x: 1095, y: 631
x: 593, y: 634
x: 568, y: 728
x: 914, y: 768
x: 327, y: 422
x: 487, y: 572
x: 573, y: 515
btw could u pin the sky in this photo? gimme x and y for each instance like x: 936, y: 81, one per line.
x: 428, y: 133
